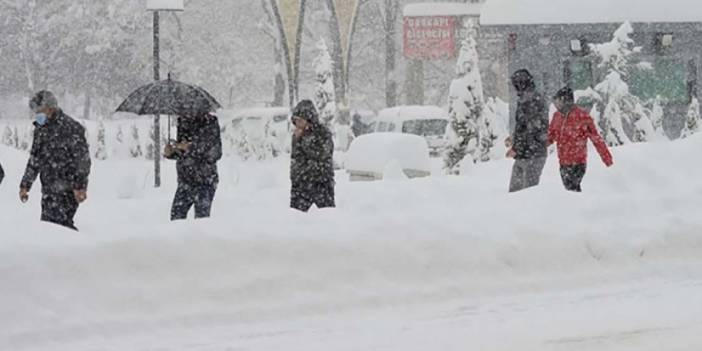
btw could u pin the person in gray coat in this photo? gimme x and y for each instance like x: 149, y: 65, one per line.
x: 529, y: 143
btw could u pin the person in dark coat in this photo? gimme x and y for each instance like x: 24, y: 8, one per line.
x: 311, y: 163
x: 197, y: 149
x: 570, y: 130
x: 528, y: 144
x: 2, y: 173
x: 60, y: 157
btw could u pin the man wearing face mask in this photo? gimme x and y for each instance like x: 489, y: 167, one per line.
x: 60, y: 157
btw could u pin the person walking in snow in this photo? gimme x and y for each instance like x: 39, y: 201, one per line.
x: 311, y: 162
x: 60, y: 157
x: 197, y: 149
x: 570, y: 129
x: 527, y: 145
x: 2, y: 173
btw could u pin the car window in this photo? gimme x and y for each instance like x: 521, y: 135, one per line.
x: 280, y: 118
x: 429, y: 127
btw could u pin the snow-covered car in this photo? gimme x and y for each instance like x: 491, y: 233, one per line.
x: 383, y: 155
x: 429, y: 122
x: 260, y: 124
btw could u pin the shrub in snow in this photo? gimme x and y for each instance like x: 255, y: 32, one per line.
x: 8, y: 137
x: 466, y: 108
x: 618, y: 105
x: 692, y: 121
x: 369, y: 155
x: 135, y: 143
x: 151, y: 152
x: 656, y: 116
x: 101, y: 151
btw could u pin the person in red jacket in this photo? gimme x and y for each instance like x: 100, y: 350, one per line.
x: 570, y: 129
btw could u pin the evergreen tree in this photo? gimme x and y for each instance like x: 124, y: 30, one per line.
x: 135, y: 143
x: 618, y: 105
x: 466, y: 108
x: 101, y: 152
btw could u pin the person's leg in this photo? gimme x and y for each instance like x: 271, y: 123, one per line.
x: 299, y: 200
x: 517, y: 182
x: 205, y: 197
x: 182, y: 201
x: 572, y: 176
x: 324, y: 198
x: 534, y: 170
x: 59, y: 208
x: 578, y: 175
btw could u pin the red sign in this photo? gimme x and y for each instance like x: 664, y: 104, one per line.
x: 429, y: 37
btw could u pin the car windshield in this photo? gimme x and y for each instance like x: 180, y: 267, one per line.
x: 425, y: 127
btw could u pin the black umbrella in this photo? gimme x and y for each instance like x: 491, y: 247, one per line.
x: 169, y: 97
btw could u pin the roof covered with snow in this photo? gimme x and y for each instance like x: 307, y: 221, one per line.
x: 441, y: 9
x: 506, y: 12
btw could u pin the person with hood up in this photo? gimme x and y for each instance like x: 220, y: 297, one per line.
x: 197, y: 150
x: 527, y: 145
x: 311, y: 162
x: 570, y: 129
x: 60, y: 157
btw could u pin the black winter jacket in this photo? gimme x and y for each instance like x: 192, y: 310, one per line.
x: 530, y: 136
x: 198, y: 165
x: 59, y: 156
x: 312, y: 164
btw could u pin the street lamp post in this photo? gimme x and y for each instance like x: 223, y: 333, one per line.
x: 156, y: 6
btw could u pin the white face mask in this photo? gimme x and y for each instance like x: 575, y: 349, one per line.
x: 41, y: 118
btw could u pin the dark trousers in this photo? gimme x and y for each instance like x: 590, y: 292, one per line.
x: 189, y: 195
x: 526, y: 173
x: 322, y: 196
x: 59, y: 208
x: 572, y: 176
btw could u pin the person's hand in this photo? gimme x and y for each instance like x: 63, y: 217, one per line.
x: 168, y: 151
x: 183, y: 146
x: 509, y: 142
x: 511, y: 153
x: 81, y: 195
x: 24, y: 195
x: 299, y: 132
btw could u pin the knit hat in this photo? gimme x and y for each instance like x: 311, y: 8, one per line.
x: 43, y: 99
x: 565, y: 94
x: 305, y: 109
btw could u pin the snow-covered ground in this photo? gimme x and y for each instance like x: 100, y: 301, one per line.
x: 439, y: 263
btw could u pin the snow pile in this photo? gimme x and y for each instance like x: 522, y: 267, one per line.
x: 373, y: 152
x: 393, y: 243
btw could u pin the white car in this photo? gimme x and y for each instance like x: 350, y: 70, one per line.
x: 261, y: 123
x: 429, y: 122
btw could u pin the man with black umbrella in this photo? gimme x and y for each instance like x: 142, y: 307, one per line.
x: 60, y: 156
x: 197, y: 149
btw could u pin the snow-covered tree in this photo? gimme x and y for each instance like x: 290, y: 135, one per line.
x: 692, y: 120
x: 151, y: 152
x: 101, y: 151
x: 324, y: 96
x: 466, y: 108
x: 135, y: 143
x: 618, y: 104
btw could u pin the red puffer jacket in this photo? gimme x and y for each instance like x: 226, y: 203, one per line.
x: 571, y: 134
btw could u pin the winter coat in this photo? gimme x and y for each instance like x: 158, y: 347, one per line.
x: 59, y: 156
x: 531, y: 128
x: 2, y: 173
x: 571, y: 133
x: 311, y: 164
x: 198, y: 165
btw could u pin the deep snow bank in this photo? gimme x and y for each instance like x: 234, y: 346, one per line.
x: 390, y: 242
